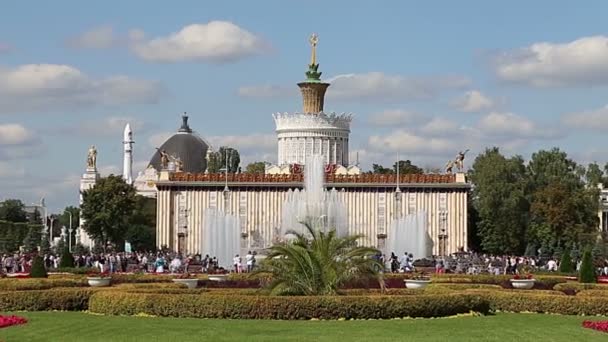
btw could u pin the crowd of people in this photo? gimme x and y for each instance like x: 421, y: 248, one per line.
x: 165, y: 261
x: 149, y: 262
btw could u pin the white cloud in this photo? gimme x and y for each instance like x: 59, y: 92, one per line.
x: 407, y: 142
x: 473, y: 101
x: 97, y: 38
x: 512, y: 125
x: 17, y: 142
x: 580, y: 62
x: 157, y: 139
x: 371, y: 86
x: 43, y: 87
x: 14, y: 134
x: 266, y: 91
x: 215, y: 41
x: 380, y: 86
x: 439, y: 126
x: 110, y: 126
x: 394, y: 117
x: 251, y: 142
x: 593, y: 120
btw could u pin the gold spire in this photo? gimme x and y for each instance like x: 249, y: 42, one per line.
x: 314, y: 40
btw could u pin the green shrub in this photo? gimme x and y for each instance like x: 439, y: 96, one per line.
x: 565, y: 265
x: 284, y: 307
x: 587, y: 272
x: 41, y: 300
x: 574, y: 288
x: 542, y: 303
x: 76, y: 270
x: 140, y: 278
x: 38, y: 284
x: 67, y: 259
x: 594, y: 292
x: 38, y: 270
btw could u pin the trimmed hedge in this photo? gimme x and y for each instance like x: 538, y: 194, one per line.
x: 38, y: 270
x: 288, y: 308
x: 42, y: 300
x: 542, y: 303
x: 76, y: 270
x: 38, y: 284
x: 573, y: 288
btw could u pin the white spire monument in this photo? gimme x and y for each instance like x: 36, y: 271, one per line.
x: 127, y: 167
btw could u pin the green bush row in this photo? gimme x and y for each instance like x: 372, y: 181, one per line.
x: 572, y: 287
x: 39, y: 284
x: 74, y: 299
x: 543, y: 303
x: 287, y: 308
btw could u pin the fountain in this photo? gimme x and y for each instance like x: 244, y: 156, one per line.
x: 322, y: 208
x: 408, y: 234
x: 221, y: 236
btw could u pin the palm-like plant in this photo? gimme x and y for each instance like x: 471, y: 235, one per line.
x: 319, y: 263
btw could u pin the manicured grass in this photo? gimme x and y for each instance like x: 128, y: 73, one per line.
x: 76, y: 326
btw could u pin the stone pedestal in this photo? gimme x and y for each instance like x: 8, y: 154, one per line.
x: 87, y: 181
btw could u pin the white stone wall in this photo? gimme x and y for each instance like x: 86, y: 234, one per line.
x: 370, y: 212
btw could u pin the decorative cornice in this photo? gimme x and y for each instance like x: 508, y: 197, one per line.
x: 298, y: 121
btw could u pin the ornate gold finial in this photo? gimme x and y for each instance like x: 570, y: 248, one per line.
x: 314, y: 40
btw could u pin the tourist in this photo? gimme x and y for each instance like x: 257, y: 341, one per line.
x: 249, y: 260
x: 394, y: 263
x: 159, y: 264
x: 237, y: 263
x: 552, y: 265
x: 176, y: 265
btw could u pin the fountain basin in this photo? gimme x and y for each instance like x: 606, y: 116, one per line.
x: 416, y: 284
x: 190, y: 283
x: 218, y: 277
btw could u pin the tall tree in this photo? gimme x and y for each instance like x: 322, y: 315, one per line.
x: 406, y: 167
x: 500, y: 200
x: 564, y: 206
x: 256, y: 167
x: 142, y: 224
x: 107, y: 208
x: 12, y: 210
x: 225, y: 156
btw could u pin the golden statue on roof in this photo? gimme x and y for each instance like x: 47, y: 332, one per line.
x: 314, y: 40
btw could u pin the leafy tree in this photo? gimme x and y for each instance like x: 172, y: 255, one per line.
x: 587, y: 271
x: 33, y: 238
x: 217, y: 160
x: 499, y: 197
x: 141, y: 237
x: 36, y: 217
x: 256, y: 167
x: 379, y: 169
x: 38, y: 270
x: 319, y: 263
x: 45, y: 245
x: 67, y: 259
x: 565, y: 265
x: 79, y: 249
x: 594, y: 175
x: 406, y: 167
x: 12, y: 210
x: 107, y: 208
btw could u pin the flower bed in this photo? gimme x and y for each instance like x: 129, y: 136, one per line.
x: 66, y: 299
x: 288, y: 308
x: 38, y: 284
x: 596, y: 325
x: 7, y: 321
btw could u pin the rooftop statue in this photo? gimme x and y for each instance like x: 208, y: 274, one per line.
x: 460, y: 160
x: 92, y: 158
x: 164, y: 158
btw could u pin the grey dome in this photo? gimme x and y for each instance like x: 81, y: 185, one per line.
x: 187, y: 146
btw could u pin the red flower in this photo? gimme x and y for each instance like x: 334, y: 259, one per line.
x: 7, y: 321
x: 596, y: 325
x: 516, y: 276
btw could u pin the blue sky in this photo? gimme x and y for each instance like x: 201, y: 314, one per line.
x: 423, y: 79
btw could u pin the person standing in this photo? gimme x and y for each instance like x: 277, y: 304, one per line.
x: 249, y: 261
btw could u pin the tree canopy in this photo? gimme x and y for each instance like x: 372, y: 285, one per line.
x: 405, y: 167
x: 12, y: 210
x: 107, y: 209
x: 256, y: 167
x: 225, y: 155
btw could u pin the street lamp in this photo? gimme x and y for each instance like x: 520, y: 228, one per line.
x: 52, y: 218
x: 70, y: 231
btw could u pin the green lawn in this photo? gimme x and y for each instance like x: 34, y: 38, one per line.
x: 75, y: 326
